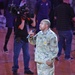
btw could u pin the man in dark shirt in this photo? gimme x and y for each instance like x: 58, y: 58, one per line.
x: 21, y: 41
x: 64, y: 15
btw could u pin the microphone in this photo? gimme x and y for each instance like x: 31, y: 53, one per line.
x: 33, y: 30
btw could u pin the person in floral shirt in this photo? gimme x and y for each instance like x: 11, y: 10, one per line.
x: 46, y: 48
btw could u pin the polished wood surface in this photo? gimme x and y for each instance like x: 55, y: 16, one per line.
x: 62, y: 67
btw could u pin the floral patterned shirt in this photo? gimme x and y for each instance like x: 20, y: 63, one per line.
x: 46, y: 46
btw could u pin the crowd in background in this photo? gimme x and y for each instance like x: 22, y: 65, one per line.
x: 31, y: 4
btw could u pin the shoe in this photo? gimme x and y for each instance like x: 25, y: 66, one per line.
x: 14, y: 72
x: 57, y: 58
x: 69, y: 58
x: 28, y: 72
x: 73, y: 33
x: 5, y: 49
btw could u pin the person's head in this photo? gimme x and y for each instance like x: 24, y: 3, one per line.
x: 66, y: 1
x: 44, y: 24
x: 44, y: 0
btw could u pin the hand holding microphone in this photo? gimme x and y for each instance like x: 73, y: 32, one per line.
x: 31, y: 33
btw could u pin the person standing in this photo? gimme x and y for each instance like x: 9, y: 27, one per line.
x: 42, y: 10
x: 21, y: 41
x: 64, y: 16
x: 46, y: 48
x: 9, y: 21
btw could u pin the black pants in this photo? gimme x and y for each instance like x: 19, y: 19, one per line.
x: 9, y: 31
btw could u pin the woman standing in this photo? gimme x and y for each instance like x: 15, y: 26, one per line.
x: 9, y: 21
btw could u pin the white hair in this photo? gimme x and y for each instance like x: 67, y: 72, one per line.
x: 47, y: 22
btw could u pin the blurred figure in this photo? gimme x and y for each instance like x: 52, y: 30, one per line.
x: 54, y: 3
x: 42, y: 10
x: 9, y: 21
x: 64, y: 16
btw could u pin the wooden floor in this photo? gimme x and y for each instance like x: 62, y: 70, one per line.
x: 62, y: 67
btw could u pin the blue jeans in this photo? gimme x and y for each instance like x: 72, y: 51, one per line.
x: 65, y: 36
x: 26, y: 57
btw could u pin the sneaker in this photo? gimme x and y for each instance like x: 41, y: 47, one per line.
x: 73, y: 33
x: 28, y: 72
x: 69, y: 58
x: 5, y: 49
x: 57, y: 58
x: 14, y: 72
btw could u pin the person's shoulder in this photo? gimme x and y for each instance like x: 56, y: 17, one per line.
x: 40, y: 32
x: 51, y: 33
x: 48, y: 1
x: 58, y: 7
x: 38, y: 2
